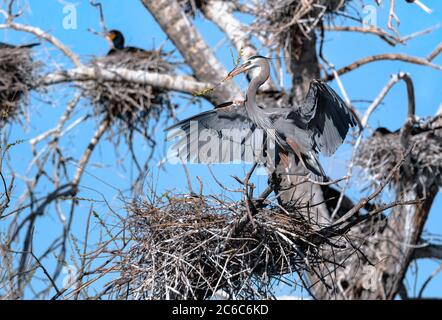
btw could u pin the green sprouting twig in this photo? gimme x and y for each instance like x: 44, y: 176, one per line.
x: 79, y: 199
x: 3, y: 152
x: 233, y: 57
x: 238, y: 59
x: 75, y: 245
x: 203, y: 92
x: 102, y: 223
x: 10, y: 145
x: 207, y: 91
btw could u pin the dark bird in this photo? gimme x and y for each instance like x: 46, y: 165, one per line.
x: 319, y: 124
x: 117, y: 41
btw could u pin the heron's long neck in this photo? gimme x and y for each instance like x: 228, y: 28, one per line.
x: 257, y: 115
x: 251, y: 97
x: 254, y: 85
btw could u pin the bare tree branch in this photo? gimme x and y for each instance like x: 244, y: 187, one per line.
x: 46, y: 36
x: 388, y: 56
x: 393, y: 80
x: 88, y: 152
x: 177, y: 83
x: 379, y: 32
x: 431, y: 277
x: 428, y: 251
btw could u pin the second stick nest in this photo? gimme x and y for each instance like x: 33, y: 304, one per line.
x: 281, y: 22
x: 17, y: 77
x: 130, y: 105
x: 200, y: 248
x: 383, y: 150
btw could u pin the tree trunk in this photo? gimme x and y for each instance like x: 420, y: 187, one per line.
x: 192, y: 47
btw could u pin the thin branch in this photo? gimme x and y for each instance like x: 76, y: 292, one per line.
x: 421, y: 5
x: 391, y: 16
x: 53, y: 284
x: 431, y: 277
x: 46, y: 36
x: 435, y: 52
x: 403, y: 292
x: 87, y: 154
x: 381, y: 33
x: 395, y: 78
x: 99, y: 6
x: 6, y: 190
x: 386, y: 57
x: 429, y: 251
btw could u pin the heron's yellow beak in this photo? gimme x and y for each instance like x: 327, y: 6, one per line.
x: 236, y: 71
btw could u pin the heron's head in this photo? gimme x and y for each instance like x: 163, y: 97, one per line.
x: 250, y: 63
x: 116, y: 38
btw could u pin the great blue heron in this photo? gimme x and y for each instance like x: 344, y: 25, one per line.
x: 319, y: 124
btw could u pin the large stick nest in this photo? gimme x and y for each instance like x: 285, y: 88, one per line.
x: 130, y: 105
x: 382, y: 151
x: 17, y: 77
x: 287, y: 24
x: 196, y: 247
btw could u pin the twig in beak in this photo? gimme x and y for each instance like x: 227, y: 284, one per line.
x: 236, y: 70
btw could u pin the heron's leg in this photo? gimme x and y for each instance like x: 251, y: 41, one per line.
x: 284, y: 158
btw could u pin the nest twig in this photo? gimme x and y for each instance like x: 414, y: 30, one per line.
x: 197, y: 248
x: 286, y: 24
x: 130, y: 106
x: 17, y: 77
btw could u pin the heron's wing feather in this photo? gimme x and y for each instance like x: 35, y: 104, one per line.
x: 228, y: 122
x: 326, y: 116
x: 226, y: 116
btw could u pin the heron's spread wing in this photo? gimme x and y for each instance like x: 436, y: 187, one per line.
x: 228, y: 122
x: 225, y: 116
x: 326, y: 116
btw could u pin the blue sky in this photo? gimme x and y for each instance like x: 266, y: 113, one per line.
x: 141, y: 30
